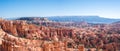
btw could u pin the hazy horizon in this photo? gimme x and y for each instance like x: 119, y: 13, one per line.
x: 29, y: 8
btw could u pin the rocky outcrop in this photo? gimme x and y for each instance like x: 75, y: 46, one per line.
x: 12, y: 43
x: 30, y: 31
x: 17, y: 35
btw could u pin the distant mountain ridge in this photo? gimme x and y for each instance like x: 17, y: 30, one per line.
x: 89, y: 19
x: 118, y: 22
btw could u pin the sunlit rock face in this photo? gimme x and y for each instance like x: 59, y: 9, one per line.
x: 12, y: 43
x: 18, y: 35
x: 30, y: 31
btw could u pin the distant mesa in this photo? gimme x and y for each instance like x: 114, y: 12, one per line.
x: 88, y: 19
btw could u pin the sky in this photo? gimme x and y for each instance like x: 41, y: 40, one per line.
x: 23, y: 8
